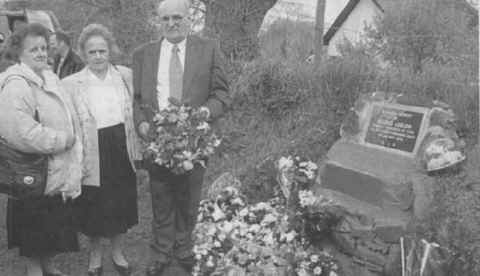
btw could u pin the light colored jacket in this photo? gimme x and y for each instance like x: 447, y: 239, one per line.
x: 77, y: 85
x: 24, y: 92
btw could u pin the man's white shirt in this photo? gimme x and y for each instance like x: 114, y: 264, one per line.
x: 163, y: 83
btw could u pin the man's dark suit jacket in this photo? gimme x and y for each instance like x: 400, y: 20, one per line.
x: 72, y: 64
x: 204, y: 80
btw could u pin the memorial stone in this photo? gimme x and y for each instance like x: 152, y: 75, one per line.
x: 377, y: 169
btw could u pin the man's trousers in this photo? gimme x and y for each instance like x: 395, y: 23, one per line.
x: 175, y: 200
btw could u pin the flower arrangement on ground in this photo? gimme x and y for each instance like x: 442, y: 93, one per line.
x: 237, y: 238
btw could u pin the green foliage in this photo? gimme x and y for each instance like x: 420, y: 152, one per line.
x: 454, y: 217
x: 420, y: 31
x: 287, y: 39
x: 273, y: 86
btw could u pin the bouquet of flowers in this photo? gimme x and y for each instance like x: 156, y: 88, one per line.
x: 294, y: 174
x: 183, y: 138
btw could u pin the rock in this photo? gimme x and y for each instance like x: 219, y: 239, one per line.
x: 383, y: 179
x: 377, y: 171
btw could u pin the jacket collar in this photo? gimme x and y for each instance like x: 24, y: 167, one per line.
x: 83, y: 75
x: 49, y: 82
x: 23, y: 70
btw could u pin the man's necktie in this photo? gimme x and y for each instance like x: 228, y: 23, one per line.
x: 175, y: 74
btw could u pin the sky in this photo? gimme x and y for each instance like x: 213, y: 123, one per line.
x: 306, y: 10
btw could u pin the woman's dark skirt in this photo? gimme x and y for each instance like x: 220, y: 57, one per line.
x: 41, y: 227
x: 110, y: 209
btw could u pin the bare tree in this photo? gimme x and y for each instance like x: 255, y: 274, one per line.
x: 236, y: 24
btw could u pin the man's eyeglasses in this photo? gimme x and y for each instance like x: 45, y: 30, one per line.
x: 174, y: 18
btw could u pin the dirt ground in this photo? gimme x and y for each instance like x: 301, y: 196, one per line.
x: 75, y: 264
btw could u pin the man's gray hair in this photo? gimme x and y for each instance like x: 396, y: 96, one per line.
x: 179, y: 4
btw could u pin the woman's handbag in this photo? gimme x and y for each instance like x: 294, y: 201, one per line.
x: 22, y: 175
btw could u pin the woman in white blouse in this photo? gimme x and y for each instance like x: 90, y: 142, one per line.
x: 102, y: 95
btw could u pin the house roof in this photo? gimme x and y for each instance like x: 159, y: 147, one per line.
x: 342, y: 17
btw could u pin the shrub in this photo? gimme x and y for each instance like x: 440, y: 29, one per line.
x: 288, y: 39
x: 274, y: 86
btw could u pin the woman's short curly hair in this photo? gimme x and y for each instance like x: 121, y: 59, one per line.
x: 97, y: 30
x: 14, y: 45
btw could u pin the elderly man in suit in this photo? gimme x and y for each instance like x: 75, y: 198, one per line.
x: 189, y: 69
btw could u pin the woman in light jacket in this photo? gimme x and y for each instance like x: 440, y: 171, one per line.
x: 102, y: 94
x: 41, y: 227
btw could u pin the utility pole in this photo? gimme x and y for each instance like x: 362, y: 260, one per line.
x: 320, y: 14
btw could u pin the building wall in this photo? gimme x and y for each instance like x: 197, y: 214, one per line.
x: 353, y: 28
x: 294, y: 10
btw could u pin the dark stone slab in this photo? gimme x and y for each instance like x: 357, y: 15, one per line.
x: 375, y: 177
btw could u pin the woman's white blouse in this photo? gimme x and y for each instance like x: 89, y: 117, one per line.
x: 105, y: 100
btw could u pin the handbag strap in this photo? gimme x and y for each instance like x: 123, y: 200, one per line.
x: 36, y: 115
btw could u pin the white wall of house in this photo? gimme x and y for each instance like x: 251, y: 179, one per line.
x: 353, y: 28
x: 294, y: 10
x: 303, y: 10
x: 332, y: 10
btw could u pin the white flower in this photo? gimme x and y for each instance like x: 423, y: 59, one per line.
x: 217, y: 214
x: 302, y: 272
x: 308, y: 165
x: 188, y: 154
x: 290, y: 236
x: 204, y: 109
x: 238, y: 201
x: 453, y: 156
x: 317, y: 270
x: 254, y: 228
x: 306, y: 198
x: 262, y: 206
x: 269, y: 218
x: 227, y: 227
x: 314, y: 258
x: 285, y: 163
x: 211, y: 231
x: 332, y: 273
x: 187, y: 165
x: 243, y: 212
x: 158, y: 118
x: 434, y: 149
x: 231, y: 190
x: 217, y: 244
x: 308, y: 173
x: 222, y: 236
x: 268, y: 239
x: 210, y: 263
x: 203, y: 126
x: 217, y: 142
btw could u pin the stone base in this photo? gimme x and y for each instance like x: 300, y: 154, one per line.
x: 386, y: 187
